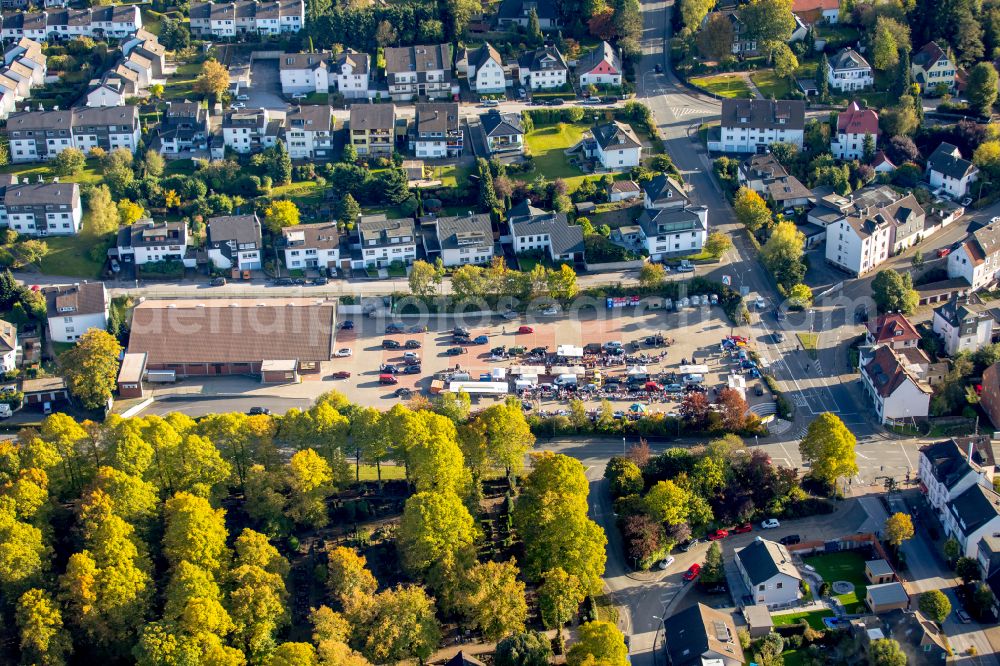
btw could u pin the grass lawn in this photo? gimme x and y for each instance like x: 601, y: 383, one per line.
x: 837, y: 32
x: 184, y: 166
x: 59, y: 348
x: 813, y: 618
x: 68, y: 256
x: 771, y: 85
x: 810, y: 342
x: 181, y: 84
x: 792, y: 658
x: 450, y: 175
x: 396, y: 271
x: 306, y: 193
x: 724, y: 85
x: 316, y: 98
x: 547, y: 144
x: 389, y: 473
x: 846, y: 565
x: 88, y: 176
x: 152, y: 21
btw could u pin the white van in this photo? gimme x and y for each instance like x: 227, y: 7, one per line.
x: 566, y: 380
x: 5, y: 411
x: 693, y: 379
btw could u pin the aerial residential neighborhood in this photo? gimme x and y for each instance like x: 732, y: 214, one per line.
x: 500, y: 334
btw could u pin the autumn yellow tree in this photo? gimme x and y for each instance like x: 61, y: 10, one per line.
x: 213, y: 80
x: 91, y: 367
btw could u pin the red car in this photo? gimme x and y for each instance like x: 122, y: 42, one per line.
x: 944, y: 251
x: 341, y: 374
x: 693, y: 572
x: 525, y: 329
x: 743, y: 529
x: 718, y: 534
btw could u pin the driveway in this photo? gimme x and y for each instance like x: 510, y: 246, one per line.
x: 265, y: 87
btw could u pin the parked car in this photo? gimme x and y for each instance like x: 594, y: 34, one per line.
x: 243, y: 97
x: 688, y: 545
x: 390, y: 344
x: 558, y: 101
x: 259, y: 411
x: 412, y: 369
x: 456, y: 351
x: 770, y: 524
x: 743, y: 529
x: 551, y: 311
x: 480, y: 340
x: 387, y: 379
x: 658, y: 68
x: 320, y: 281
x: 943, y: 251
x: 790, y: 540
x: 759, y: 303
x: 666, y: 563
x: 685, y: 267
x: 219, y: 282
x: 341, y: 374
x: 692, y: 572
x: 343, y: 353
x: 525, y: 329
x: 411, y: 344
x: 347, y: 325
x: 458, y: 330
x: 539, y: 350
x: 394, y: 328
x: 718, y: 535
x: 491, y: 102
x: 411, y: 354
x: 419, y: 328
x: 963, y: 617
x: 402, y: 392
x: 389, y: 369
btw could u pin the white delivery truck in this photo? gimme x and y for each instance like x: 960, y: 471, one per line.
x: 566, y: 380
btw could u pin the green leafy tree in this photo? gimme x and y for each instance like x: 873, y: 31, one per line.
x: 893, y: 292
x: 435, y: 526
x: 667, y: 502
x: 195, y: 533
x: 935, y: 605
x: 713, y: 570
x: 822, y: 82
x: 769, y: 21
x: 717, y: 244
x: 785, y: 62
x: 350, y: 210
x: 348, y: 578
x: 886, y: 652
x: 310, y: 482
x: 981, y: 89
x: 715, y: 40
x: 828, y: 447
x: 508, y: 436
x: 559, y: 599
x: 967, y: 568
x: 952, y: 549
x: 213, y: 80
x: 885, y: 50
x: 693, y: 12
x: 69, y: 162
x: 624, y: 477
x: 599, y: 643
x: 525, y: 649
x: 280, y: 214
x: 397, y: 624
x: 652, y: 275
x: 258, y: 595
x: 495, y: 601
x: 91, y: 368
x: 44, y: 639
x: 424, y: 278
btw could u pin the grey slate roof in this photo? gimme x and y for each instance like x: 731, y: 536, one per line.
x: 516, y: 9
x: 148, y: 233
x: 311, y: 118
x: 655, y: 222
x: 879, y: 567
x: 372, y: 116
x: 948, y: 463
x: 955, y: 312
x: 484, y: 54
x: 543, y: 58
x: 243, y: 229
x: 848, y: 59
x: 358, y: 60
x: 381, y: 229
x: 603, y: 52
x: 763, y: 560
x: 698, y: 630
x: 974, y: 508
x: 764, y: 113
x: 526, y: 220
x: 420, y: 59
x: 465, y: 231
x: 888, y: 593
x: 947, y: 159
x: 663, y: 188
x: 41, y: 193
x: 616, y: 136
x: 501, y: 124
x: 436, y: 117
x: 297, y: 61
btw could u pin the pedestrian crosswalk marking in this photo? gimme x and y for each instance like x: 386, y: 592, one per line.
x: 686, y: 111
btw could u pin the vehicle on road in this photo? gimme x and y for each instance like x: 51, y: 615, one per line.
x: 341, y: 374
x: 456, y: 351
x: 551, y: 311
x: 390, y: 344
x: 419, y: 328
x: 219, y: 282
x: 718, y: 535
x: 743, y: 529
x: 347, y: 325
x: 387, y: 379
x: 779, y: 337
x: 412, y: 369
x: 394, y: 328
x: 688, y: 545
x: 962, y: 616
x: 685, y: 267
x: 412, y: 344
x: 760, y: 303
x: 525, y: 329
x: 558, y: 101
x: 243, y: 98
x: 770, y: 524
x: 259, y: 411
x: 943, y: 251
x: 284, y: 282
x: 692, y: 572
x: 239, y: 105
x: 666, y: 563
x: 343, y: 353
x: 790, y: 540
x: 490, y: 103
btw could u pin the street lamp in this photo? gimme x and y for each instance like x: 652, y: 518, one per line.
x: 623, y: 446
x: 656, y: 636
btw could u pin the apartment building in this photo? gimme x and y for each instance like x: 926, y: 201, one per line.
x: 311, y: 246
x: 352, y: 74
x: 235, y: 241
x: 98, y: 22
x: 948, y: 171
x: 459, y: 240
x: 617, y: 146
x: 600, y: 67
x: 962, y: 326
x: 543, y: 68
x: 382, y: 241
x: 250, y: 130
x: 752, y: 125
x: 41, y: 135
x: 977, y: 259
x: 849, y: 71
x: 74, y: 310
x: 304, y: 73
x: 932, y: 69
x: 309, y: 132
x: 371, y: 128
x: 437, y: 131
x: 873, y: 227
x: 949, y: 468
x: 536, y: 230
x: 853, y: 125
x: 668, y: 232
x: 419, y: 71
x: 185, y: 126
x: 893, y: 380
x: 484, y: 69
x: 228, y: 19
x: 40, y: 209
x: 147, y: 241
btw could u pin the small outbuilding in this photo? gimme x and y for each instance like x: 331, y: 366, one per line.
x: 279, y: 371
x: 878, y: 572
x: 759, y: 622
x: 886, y: 597
x: 130, y: 375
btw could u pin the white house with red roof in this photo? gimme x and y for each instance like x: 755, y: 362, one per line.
x: 882, y: 164
x: 600, y: 67
x: 892, y: 380
x: 892, y: 329
x: 853, y: 125
x: 814, y: 11
x: 977, y: 259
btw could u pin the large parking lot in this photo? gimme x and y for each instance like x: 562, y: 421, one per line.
x: 693, y: 337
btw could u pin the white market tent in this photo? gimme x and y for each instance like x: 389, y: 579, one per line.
x: 577, y: 370
x: 693, y: 370
x: 480, y: 388
x: 569, y: 351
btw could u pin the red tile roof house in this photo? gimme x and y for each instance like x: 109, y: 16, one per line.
x: 853, y: 125
x: 894, y: 385
x: 892, y: 329
x: 813, y: 11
